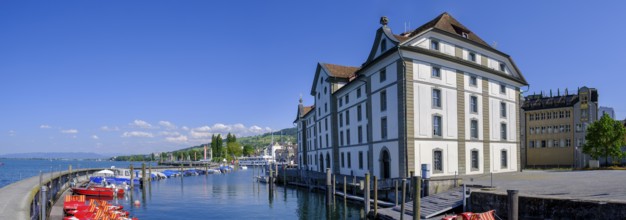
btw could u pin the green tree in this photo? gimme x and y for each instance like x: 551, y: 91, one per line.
x: 604, y: 138
x: 220, y: 145
x: 248, y: 150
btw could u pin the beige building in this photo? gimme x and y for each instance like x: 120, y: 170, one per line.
x: 554, y: 128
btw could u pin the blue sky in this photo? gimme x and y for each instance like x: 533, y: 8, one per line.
x: 149, y: 76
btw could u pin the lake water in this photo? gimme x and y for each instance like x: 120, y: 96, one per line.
x: 224, y: 196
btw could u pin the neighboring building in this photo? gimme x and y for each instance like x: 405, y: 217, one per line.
x: 554, y: 128
x: 286, y: 154
x: 436, y: 95
x: 608, y: 110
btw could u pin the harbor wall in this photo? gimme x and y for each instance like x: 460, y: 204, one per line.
x: 537, y: 207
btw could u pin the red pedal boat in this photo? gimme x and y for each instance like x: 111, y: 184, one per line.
x: 97, y: 191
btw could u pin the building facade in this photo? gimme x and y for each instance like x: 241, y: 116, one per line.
x: 554, y: 128
x: 437, y: 95
x: 606, y: 110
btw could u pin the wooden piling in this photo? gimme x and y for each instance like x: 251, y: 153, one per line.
x: 144, y: 177
x: 417, y: 180
x: 328, y: 187
x: 132, y: 174
x: 150, y: 173
x: 403, y: 199
x: 375, y: 197
x: 395, y: 186
x: 366, y: 193
x: 345, y: 189
x: 513, y: 205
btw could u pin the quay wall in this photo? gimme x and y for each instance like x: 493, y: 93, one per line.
x: 539, y: 207
x: 21, y: 200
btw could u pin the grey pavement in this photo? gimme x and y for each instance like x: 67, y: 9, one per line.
x: 599, y: 185
x: 15, y: 199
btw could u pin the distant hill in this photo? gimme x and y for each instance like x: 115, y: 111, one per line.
x: 54, y: 155
x: 262, y: 140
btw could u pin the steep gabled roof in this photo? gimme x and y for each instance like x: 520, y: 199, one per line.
x: 340, y: 71
x: 447, y: 23
x: 305, y: 110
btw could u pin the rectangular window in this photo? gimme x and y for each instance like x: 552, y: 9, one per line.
x: 348, y: 137
x: 341, y: 138
x: 503, y: 109
x: 474, y: 104
x: 340, y: 119
x: 358, y: 92
x: 349, y: 160
x: 348, y: 117
x: 325, y: 107
x: 358, y: 113
x: 436, y: 72
x: 360, y: 134
x: 531, y: 144
x: 502, y: 89
x: 473, y: 81
x: 472, y: 56
x: 383, y: 128
x: 437, y: 125
x: 474, y: 160
x: 436, y: 98
x: 361, y: 160
x: 327, y: 145
x: 347, y: 98
x: 502, y: 67
x: 343, y: 164
x: 383, y: 75
x: 340, y: 102
x: 503, y: 131
x: 474, y: 129
x: 437, y: 161
x: 326, y: 124
x: 503, y: 159
x: 383, y: 100
x: 543, y: 144
x: 434, y: 45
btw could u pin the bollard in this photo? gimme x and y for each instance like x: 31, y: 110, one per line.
x: 375, y: 197
x: 366, y: 193
x: 43, y: 203
x: 403, y: 199
x: 464, y: 198
x: 513, y: 205
x: 395, y: 186
x: 132, y: 174
x: 328, y: 187
x: 345, y: 190
x: 417, y: 180
x: 143, y: 173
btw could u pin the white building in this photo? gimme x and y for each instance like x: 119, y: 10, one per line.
x: 606, y: 110
x: 436, y: 95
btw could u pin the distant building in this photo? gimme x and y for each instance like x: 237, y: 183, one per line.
x: 554, y: 128
x: 608, y: 110
x: 437, y: 95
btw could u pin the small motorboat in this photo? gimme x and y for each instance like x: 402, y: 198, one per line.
x: 244, y: 167
x: 98, y: 190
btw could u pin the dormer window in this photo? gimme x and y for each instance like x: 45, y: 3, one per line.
x: 465, y: 35
x: 383, y: 46
x: 434, y: 45
x: 502, y: 67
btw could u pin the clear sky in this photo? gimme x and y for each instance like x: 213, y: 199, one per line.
x: 148, y: 76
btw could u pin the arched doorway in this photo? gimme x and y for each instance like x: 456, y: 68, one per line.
x: 321, y: 163
x: 385, y: 164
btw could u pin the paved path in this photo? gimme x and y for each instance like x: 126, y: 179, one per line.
x: 16, y: 198
x: 599, y: 185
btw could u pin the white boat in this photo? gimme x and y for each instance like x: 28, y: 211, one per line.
x: 244, y: 167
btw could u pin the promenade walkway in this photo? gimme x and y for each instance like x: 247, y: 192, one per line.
x: 16, y: 199
x: 597, y: 185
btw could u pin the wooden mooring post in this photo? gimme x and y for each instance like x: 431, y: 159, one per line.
x: 366, y: 193
x: 132, y: 175
x: 395, y: 186
x: 143, y: 174
x: 329, y: 189
x: 417, y: 182
x: 375, y: 197
x: 513, y: 205
x: 403, y: 199
x: 345, y: 189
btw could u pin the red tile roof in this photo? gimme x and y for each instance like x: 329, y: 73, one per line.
x: 447, y: 23
x: 341, y: 71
